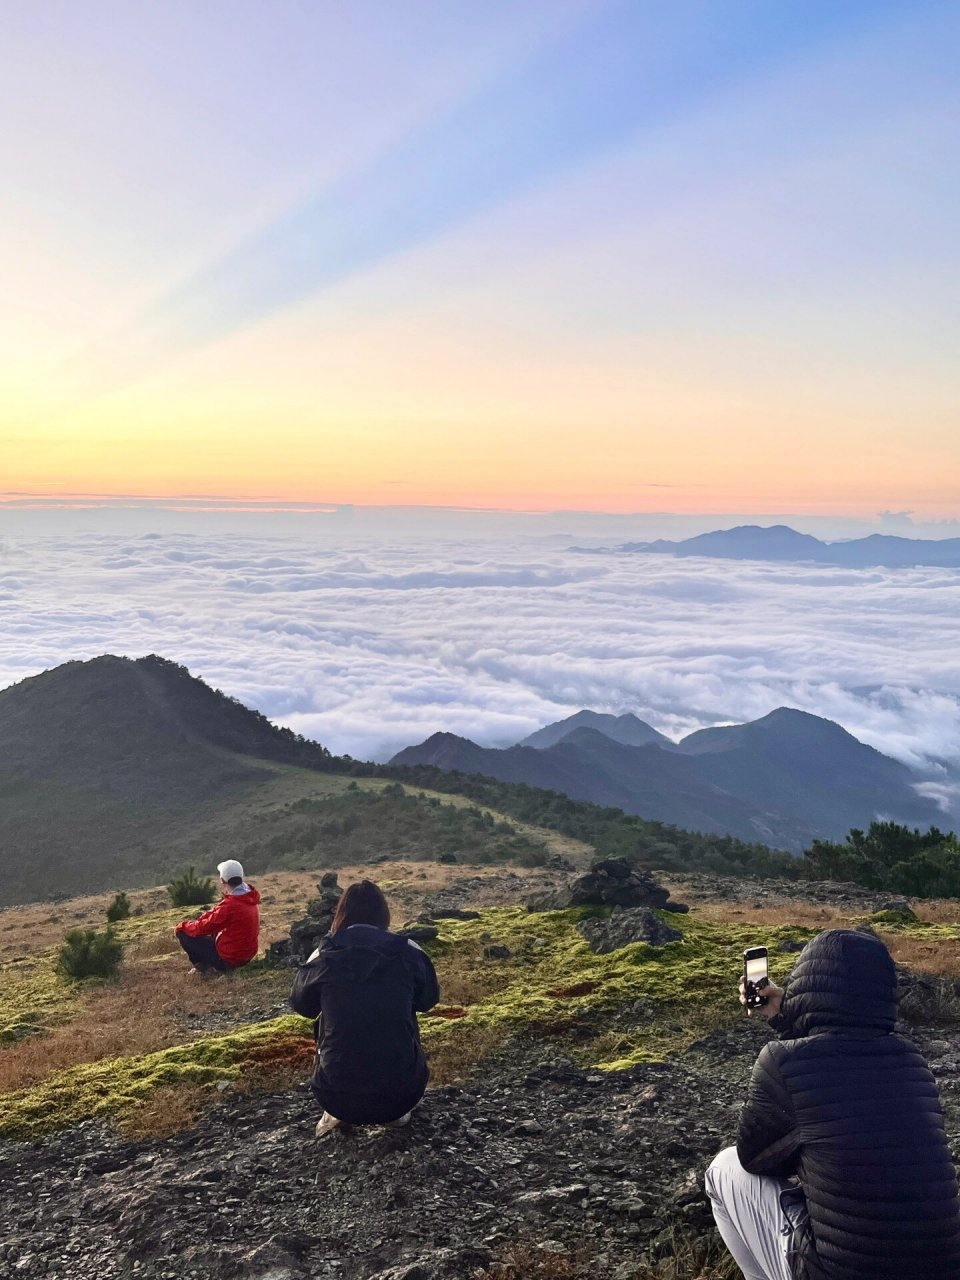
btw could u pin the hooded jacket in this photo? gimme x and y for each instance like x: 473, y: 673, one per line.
x: 853, y: 1111
x: 234, y: 924
x: 366, y: 986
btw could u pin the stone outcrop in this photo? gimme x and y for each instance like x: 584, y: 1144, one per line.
x: 305, y: 934
x: 612, y: 882
x: 625, y: 925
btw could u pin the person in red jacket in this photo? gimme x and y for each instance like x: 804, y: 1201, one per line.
x: 227, y: 936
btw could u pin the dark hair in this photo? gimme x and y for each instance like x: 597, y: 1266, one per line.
x: 361, y: 903
x: 235, y: 882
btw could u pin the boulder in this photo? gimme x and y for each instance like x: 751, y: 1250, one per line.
x: 626, y: 925
x: 419, y: 931
x: 612, y: 882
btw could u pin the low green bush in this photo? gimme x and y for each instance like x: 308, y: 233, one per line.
x: 88, y: 954
x: 191, y: 890
x: 119, y: 908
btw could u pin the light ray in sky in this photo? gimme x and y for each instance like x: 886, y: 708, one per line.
x: 624, y: 70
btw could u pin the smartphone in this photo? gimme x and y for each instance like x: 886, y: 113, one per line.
x: 755, y: 976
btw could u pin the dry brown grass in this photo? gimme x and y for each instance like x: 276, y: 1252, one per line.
x: 154, y: 1004
x: 940, y: 956
x: 807, y: 914
x: 168, y: 1110
x: 939, y: 910
x: 466, y: 977
x: 457, y: 1055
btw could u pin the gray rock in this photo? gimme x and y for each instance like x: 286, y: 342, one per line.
x: 626, y: 925
x: 417, y: 932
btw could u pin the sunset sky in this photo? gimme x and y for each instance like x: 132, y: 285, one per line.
x: 550, y: 254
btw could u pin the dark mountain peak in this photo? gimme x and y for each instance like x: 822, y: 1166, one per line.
x: 443, y: 739
x: 627, y: 729
x: 444, y: 751
x: 793, y: 720
x: 748, y: 542
x: 117, y: 762
x: 112, y: 711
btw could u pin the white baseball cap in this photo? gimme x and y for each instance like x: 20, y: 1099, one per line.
x: 229, y: 869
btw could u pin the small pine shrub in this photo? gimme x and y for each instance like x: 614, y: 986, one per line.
x: 119, y: 908
x: 191, y: 890
x: 88, y: 954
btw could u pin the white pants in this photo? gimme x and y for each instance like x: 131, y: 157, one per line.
x: 748, y: 1215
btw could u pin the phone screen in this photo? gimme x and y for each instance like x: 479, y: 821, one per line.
x: 756, y: 968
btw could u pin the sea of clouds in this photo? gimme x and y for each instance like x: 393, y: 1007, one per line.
x: 372, y: 643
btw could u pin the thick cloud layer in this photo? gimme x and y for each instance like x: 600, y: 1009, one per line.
x: 369, y: 645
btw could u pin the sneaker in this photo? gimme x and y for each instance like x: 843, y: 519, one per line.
x: 399, y: 1124
x: 326, y: 1124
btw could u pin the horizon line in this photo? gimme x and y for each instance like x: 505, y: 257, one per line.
x: 23, y: 499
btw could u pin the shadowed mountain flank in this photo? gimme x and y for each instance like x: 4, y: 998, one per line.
x: 786, y: 779
x: 113, y: 765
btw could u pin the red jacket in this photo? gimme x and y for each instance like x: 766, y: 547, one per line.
x: 234, y: 923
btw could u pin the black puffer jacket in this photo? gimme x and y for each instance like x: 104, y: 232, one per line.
x: 853, y: 1110
x: 366, y: 985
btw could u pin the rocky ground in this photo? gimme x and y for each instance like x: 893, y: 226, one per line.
x: 605, y: 1168
x: 533, y: 1150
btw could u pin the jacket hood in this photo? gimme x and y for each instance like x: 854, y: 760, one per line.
x: 843, y: 978
x: 357, y: 954
x: 250, y: 899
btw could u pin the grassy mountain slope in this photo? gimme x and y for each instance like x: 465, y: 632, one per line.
x: 116, y: 771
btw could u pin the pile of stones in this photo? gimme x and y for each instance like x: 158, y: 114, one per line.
x: 306, y: 934
x: 612, y: 882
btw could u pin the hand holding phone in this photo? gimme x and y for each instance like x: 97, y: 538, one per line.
x: 755, y: 977
x: 757, y: 993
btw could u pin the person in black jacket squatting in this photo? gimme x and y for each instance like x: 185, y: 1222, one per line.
x: 365, y: 986
x: 841, y: 1169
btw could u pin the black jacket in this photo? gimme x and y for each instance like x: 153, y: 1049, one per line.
x: 853, y: 1110
x: 366, y: 986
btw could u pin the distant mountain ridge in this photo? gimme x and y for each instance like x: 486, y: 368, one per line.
x: 785, y: 779
x: 628, y: 729
x: 781, y: 543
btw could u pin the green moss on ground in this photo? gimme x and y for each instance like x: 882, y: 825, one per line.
x: 554, y: 981
x: 552, y: 985
x: 107, y: 1088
